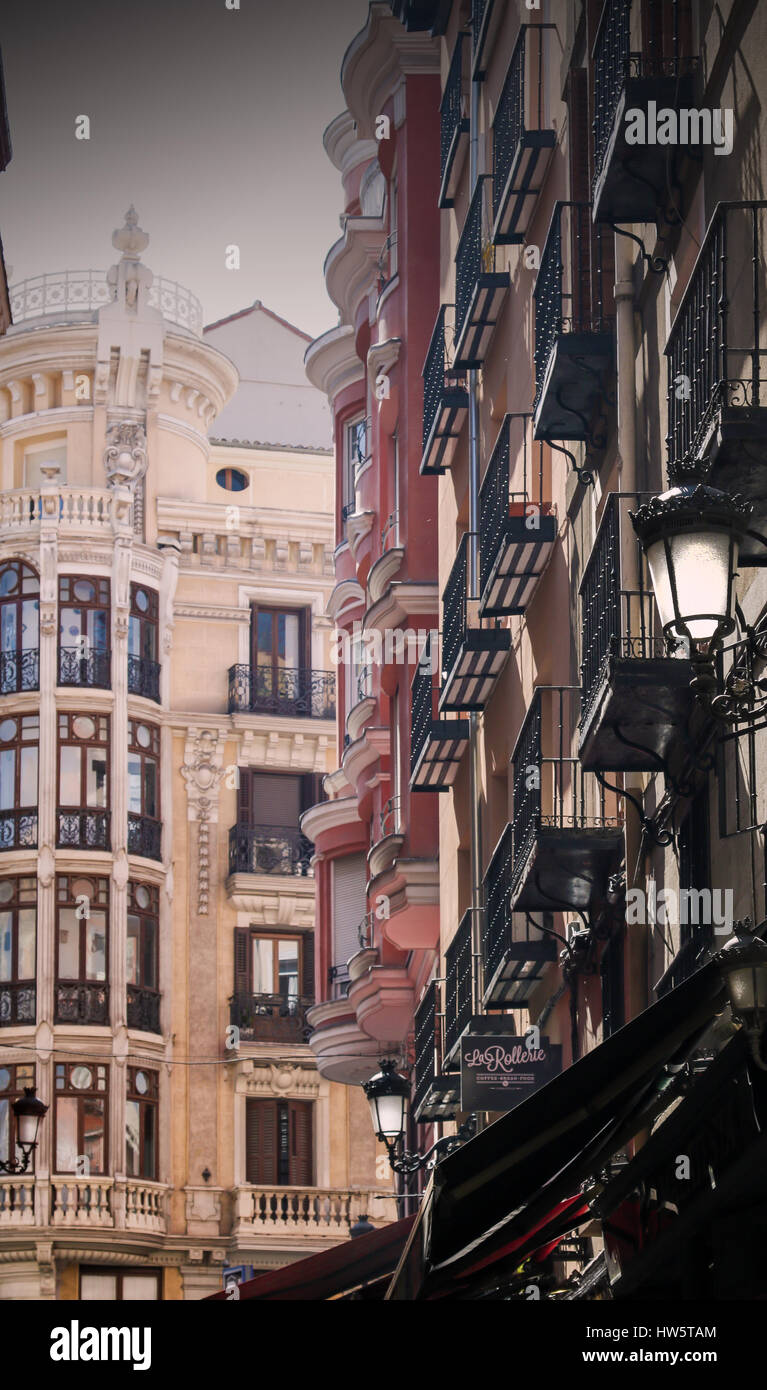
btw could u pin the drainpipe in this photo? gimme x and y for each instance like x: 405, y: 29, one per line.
x: 475, y: 778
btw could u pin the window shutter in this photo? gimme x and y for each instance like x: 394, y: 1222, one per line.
x: 241, y: 945
x: 301, y: 1156
x: 276, y: 799
x: 349, y: 905
x: 261, y: 1142
x: 244, y: 798
x: 312, y: 791
x: 307, y: 968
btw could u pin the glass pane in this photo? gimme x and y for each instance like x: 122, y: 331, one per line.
x: 134, y: 636
x: 7, y: 771
x: 69, y: 776
x: 150, y: 788
x: 26, y: 948
x: 96, y: 777
x: 69, y: 942
x: 132, y: 950
x: 97, y: 629
x: 263, y: 966
x: 5, y: 1112
x: 30, y: 620
x: 94, y: 1287
x: 134, y: 784
x: 96, y: 947
x: 71, y: 627
x: 264, y: 639
x: 93, y: 1133
x: 6, y: 945
x: 66, y: 1133
x: 288, y: 966
x: 8, y: 627
x: 28, y: 783
x: 150, y: 1117
x: 287, y: 640
x: 149, y: 641
x: 139, y: 1288
x: 132, y: 1138
x: 149, y: 956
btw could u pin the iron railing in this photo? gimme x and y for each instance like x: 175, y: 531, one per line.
x: 451, y: 118
x: 716, y: 349
x: 455, y: 606
x: 76, y: 292
x: 424, y: 693
x: 496, y: 497
x: 438, y: 373
x: 77, y: 667
x: 144, y: 677
x: 17, y: 1004
x: 84, y: 1002
x: 85, y: 828
x: 19, y: 671
x: 278, y: 1017
x: 283, y: 690
x: 505, y: 931
x: 473, y: 258
x: 269, y: 849
x: 143, y: 1009
x: 18, y: 829
x: 572, y: 290
x: 426, y: 1045
x: 692, y: 954
x: 144, y: 836
x: 510, y: 120
x: 458, y: 983
x: 741, y: 774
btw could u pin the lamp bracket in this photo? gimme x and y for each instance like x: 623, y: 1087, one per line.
x: 657, y: 264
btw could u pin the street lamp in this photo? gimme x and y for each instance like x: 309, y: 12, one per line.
x: 743, y: 963
x: 388, y: 1094
x: 29, y: 1111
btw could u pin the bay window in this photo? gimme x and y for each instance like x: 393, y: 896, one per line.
x: 144, y: 827
x: 81, y: 1112
x: 83, y: 631
x: 82, y: 949
x: 18, y: 930
x: 19, y: 628
x: 83, y: 817
x: 19, y: 738
x: 141, y: 1124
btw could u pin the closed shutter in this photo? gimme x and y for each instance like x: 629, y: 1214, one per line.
x: 301, y: 1170
x: 276, y: 799
x: 312, y: 791
x: 349, y: 905
x: 261, y: 1142
x: 307, y: 967
x: 244, y: 796
x: 241, y: 946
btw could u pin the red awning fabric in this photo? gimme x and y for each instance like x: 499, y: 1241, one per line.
x: 332, y: 1272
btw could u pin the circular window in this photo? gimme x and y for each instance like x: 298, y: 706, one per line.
x: 82, y: 888
x: 232, y: 479
x: 142, y: 1085
x: 84, y: 591
x: 83, y: 727
x: 81, y: 1078
x: 143, y: 736
x: 7, y: 730
x: 142, y: 896
x: 5, y: 1078
x: 142, y: 600
x: 9, y: 582
x: 6, y: 892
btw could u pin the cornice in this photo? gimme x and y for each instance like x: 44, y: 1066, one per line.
x: 23, y: 350
x: 331, y: 362
x: 382, y: 357
x: 351, y: 265
x: 202, y: 366
x: 377, y: 60
x: 36, y: 419
x: 347, y: 594
x: 343, y: 146
x: 402, y: 601
x: 330, y: 815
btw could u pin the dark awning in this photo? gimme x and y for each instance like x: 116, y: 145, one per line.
x: 503, y: 1193
x: 334, y: 1272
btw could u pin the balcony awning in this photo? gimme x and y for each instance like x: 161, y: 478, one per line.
x: 332, y: 1273
x: 517, y: 1185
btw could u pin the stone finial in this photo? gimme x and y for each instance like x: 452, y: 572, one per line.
x: 129, y: 280
x: 130, y: 239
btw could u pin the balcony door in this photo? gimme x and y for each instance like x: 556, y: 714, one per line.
x: 279, y: 655
x: 275, y: 798
x: 279, y: 1143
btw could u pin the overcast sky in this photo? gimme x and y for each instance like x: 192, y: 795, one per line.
x: 208, y: 119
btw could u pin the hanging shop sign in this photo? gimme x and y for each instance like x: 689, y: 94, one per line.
x: 499, y: 1072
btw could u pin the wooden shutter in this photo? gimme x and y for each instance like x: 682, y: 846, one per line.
x: 261, y: 1142
x: 241, y: 953
x: 276, y: 799
x: 312, y: 790
x: 307, y: 967
x: 349, y: 905
x: 244, y: 797
x: 301, y: 1168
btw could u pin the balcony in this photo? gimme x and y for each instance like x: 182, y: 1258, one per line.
x: 458, y: 987
x: 574, y: 324
x: 144, y: 677
x: 717, y: 384
x: 436, y: 745
x: 635, y: 698
x: 85, y: 828
x: 294, y: 692
x: 144, y: 836
x: 567, y: 830
x: 75, y: 296
x: 517, y: 527
x: 479, y: 289
x: 483, y: 14
x: 19, y: 671
x: 85, y: 1202
x: 472, y: 656
x: 17, y: 1004
x: 18, y: 829
x: 85, y: 669
x: 435, y: 1095
x: 270, y: 849
x: 143, y: 1009
x: 454, y: 127
x: 516, y: 952
x: 445, y: 398
x: 631, y: 180
x: 306, y: 1211
x: 86, y: 1003
x: 520, y: 155
x: 270, y: 1017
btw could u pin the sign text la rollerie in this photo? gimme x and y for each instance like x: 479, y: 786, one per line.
x: 498, y: 1073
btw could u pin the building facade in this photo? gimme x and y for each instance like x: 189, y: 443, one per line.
x: 167, y: 710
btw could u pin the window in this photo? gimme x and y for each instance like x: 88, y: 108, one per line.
x: 18, y: 930
x: 275, y: 798
x: 355, y: 452
x: 82, y: 957
x: 18, y: 781
x: 279, y: 1145
x: 83, y: 817
x: 81, y: 1118
x: 143, y: 666
x: 232, y: 479
x: 279, y: 640
x: 13, y: 1080
x: 19, y: 628
x: 83, y: 631
x: 141, y: 964
x: 349, y: 880
x: 144, y: 830
x: 393, y: 225
x: 141, y: 1124
x: 119, y: 1285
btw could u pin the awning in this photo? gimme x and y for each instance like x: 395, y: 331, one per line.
x: 516, y: 1185
x: 332, y: 1273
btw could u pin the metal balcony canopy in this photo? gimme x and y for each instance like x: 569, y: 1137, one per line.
x: 436, y: 1096
x: 520, y: 154
x: 472, y: 656
x: 436, y: 745
x: 517, y: 529
x: 445, y: 397
x: 454, y: 126
x: 479, y: 289
x: 515, y: 950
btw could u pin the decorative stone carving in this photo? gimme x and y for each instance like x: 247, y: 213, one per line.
x: 283, y: 1079
x: 202, y: 771
x: 125, y: 456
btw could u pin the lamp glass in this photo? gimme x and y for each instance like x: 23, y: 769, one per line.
x: 389, y: 1115
x: 26, y: 1128
x: 701, y: 562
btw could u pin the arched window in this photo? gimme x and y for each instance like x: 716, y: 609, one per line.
x: 19, y: 628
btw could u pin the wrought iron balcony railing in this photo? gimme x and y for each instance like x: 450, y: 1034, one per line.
x: 291, y: 691
x: 435, y: 1095
x: 90, y: 669
x: 472, y: 655
x: 17, y: 1003
x: 82, y: 1002
x: 692, y: 954
x: 436, y: 744
x: 479, y: 288
x: 270, y: 1017
x: 77, y: 294
x: 516, y: 526
x: 515, y: 950
x: 86, y: 828
x: 18, y: 829
x: 269, y: 849
x: 445, y: 398
x: 520, y: 154
x: 19, y: 671
x: 481, y: 13
x: 454, y: 123
x: 143, y: 1009
x: 144, y: 836
x: 144, y: 677
x: 458, y: 985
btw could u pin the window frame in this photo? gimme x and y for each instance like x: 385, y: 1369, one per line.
x: 119, y: 1273
x: 26, y: 574
x: 68, y: 900
x: 100, y: 739
x: 22, y: 1074
x: 16, y: 904
x: 145, y: 915
x: 18, y: 743
x: 148, y: 1102
x: 81, y: 1094
x: 275, y: 937
x: 149, y: 754
x: 148, y: 621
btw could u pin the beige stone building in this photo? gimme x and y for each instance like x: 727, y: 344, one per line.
x: 166, y: 714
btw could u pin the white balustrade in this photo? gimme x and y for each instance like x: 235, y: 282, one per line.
x: 81, y: 1201
x: 145, y: 1205
x: 70, y: 509
x: 309, y: 1210
x: 17, y: 1201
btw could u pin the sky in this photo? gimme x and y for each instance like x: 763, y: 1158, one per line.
x: 208, y: 119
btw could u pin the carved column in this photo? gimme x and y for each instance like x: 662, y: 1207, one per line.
x: 121, y: 568
x: 47, y: 775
